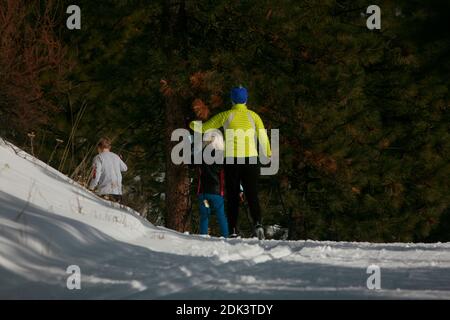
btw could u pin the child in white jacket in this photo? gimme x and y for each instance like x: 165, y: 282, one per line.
x: 107, y: 168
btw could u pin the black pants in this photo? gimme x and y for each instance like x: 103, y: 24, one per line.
x: 248, y: 175
x: 113, y: 197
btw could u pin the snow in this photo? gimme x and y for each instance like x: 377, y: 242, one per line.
x: 48, y: 223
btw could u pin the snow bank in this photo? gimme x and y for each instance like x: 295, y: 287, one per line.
x: 48, y: 222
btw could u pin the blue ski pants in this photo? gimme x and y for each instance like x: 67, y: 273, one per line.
x: 208, y: 202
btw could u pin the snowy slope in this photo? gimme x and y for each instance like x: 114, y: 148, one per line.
x: 47, y: 222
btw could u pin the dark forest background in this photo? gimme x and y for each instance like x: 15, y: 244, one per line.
x: 363, y: 115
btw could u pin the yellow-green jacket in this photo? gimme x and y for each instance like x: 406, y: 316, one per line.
x: 239, y: 117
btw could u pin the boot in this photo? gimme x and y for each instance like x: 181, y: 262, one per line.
x: 234, y: 233
x: 259, y: 231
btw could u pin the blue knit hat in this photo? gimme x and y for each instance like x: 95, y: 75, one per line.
x: 239, y: 95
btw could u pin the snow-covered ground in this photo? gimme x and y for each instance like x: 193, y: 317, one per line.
x: 48, y: 222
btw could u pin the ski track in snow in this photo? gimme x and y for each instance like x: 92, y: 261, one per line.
x: 48, y: 222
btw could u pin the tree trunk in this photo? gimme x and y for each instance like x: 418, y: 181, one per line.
x: 173, y: 24
x: 177, y: 176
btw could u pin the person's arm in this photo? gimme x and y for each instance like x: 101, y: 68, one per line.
x: 215, y: 122
x: 262, y: 135
x: 96, y: 173
x: 123, y: 166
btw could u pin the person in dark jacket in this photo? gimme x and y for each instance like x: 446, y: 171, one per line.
x: 211, y: 185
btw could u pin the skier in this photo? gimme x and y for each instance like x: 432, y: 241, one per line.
x: 244, y: 171
x: 211, y: 183
x: 106, y: 176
